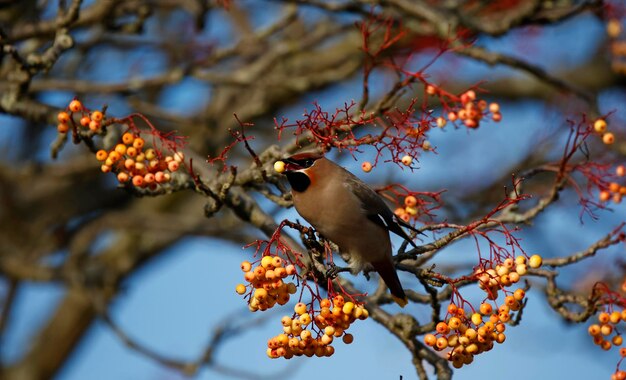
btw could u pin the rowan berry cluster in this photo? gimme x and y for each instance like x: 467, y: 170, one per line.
x: 600, y: 126
x: 470, y: 111
x: 266, y: 283
x: 467, y: 334
x: 614, y: 191
x: 614, y: 31
x: 604, y: 332
x: 332, y: 321
x: 509, y: 272
x: 409, y: 210
x: 144, y: 168
x: 606, y: 335
x: 89, y: 120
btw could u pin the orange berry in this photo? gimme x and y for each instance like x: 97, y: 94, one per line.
x: 431, y: 90
x: 605, y: 345
x: 608, y: 138
x: 366, y: 166
x: 122, y: 177
x: 594, y: 330
x: 442, y: 328
x: 617, y: 340
x: 75, y: 106
x: 94, y: 126
x: 622, y: 351
x: 84, y: 121
x: 452, y: 308
x: 128, y: 138
x: 172, y: 166
x: 603, y: 317
x: 606, y: 330
x: 148, y: 178
x: 485, y: 309
x: 441, y: 122
x: 63, y: 117
x: 97, y: 116
x: 452, y: 116
x: 291, y: 270
x: 63, y: 128
x: 430, y: 340
x: 442, y: 343
x: 519, y: 294
x: 325, y: 303
x: 617, y: 198
x: 494, y: 107
x: 620, y: 170
x: 138, y: 181
x: 496, y: 116
x: 159, y: 177
x: 120, y: 148
x: 615, y: 317
x: 101, y: 155
x: 105, y: 168
x: 407, y: 160
x: 604, y: 196
x: 138, y: 143
x: 114, y: 156
x: 613, y: 28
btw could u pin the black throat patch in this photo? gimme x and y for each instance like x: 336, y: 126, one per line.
x: 299, y: 181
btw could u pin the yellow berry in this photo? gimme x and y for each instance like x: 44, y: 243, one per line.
x: 266, y: 262
x: 101, y: 155
x: 75, y: 106
x: 441, y: 122
x: 535, y: 261
x: 97, y: 116
x: 246, y: 266
x: 279, y: 166
x: 599, y: 125
x: 300, y: 308
x: 240, y: 289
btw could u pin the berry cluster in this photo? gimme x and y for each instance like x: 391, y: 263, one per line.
x: 606, y: 335
x: 606, y: 327
x: 614, y: 191
x: 92, y: 121
x: 471, y: 110
x: 332, y: 321
x: 600, y: 126
x: 266, y: 283
x: 409, y: 210
x: 509, y: 272
x: 614, y: 30
x: 147, y: 168
x: 466, y: 337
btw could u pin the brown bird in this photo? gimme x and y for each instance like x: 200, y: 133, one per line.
x: 346, y: 211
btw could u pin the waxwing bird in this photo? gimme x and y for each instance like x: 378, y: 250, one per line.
x: 349, y: 213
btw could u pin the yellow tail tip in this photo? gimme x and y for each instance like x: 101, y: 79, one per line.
x: 400, y: 301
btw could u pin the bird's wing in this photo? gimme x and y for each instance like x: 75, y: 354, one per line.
x: 376, y: 209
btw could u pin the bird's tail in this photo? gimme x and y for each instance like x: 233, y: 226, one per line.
x: 389, y: 275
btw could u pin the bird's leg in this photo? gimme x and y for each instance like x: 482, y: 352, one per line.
x: 334, y: 270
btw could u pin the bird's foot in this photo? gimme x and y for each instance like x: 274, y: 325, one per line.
x: 333, y: 270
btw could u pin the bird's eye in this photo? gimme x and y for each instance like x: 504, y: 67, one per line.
x: 308, y: 163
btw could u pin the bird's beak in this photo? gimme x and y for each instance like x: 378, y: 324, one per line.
x: 291, y: 165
